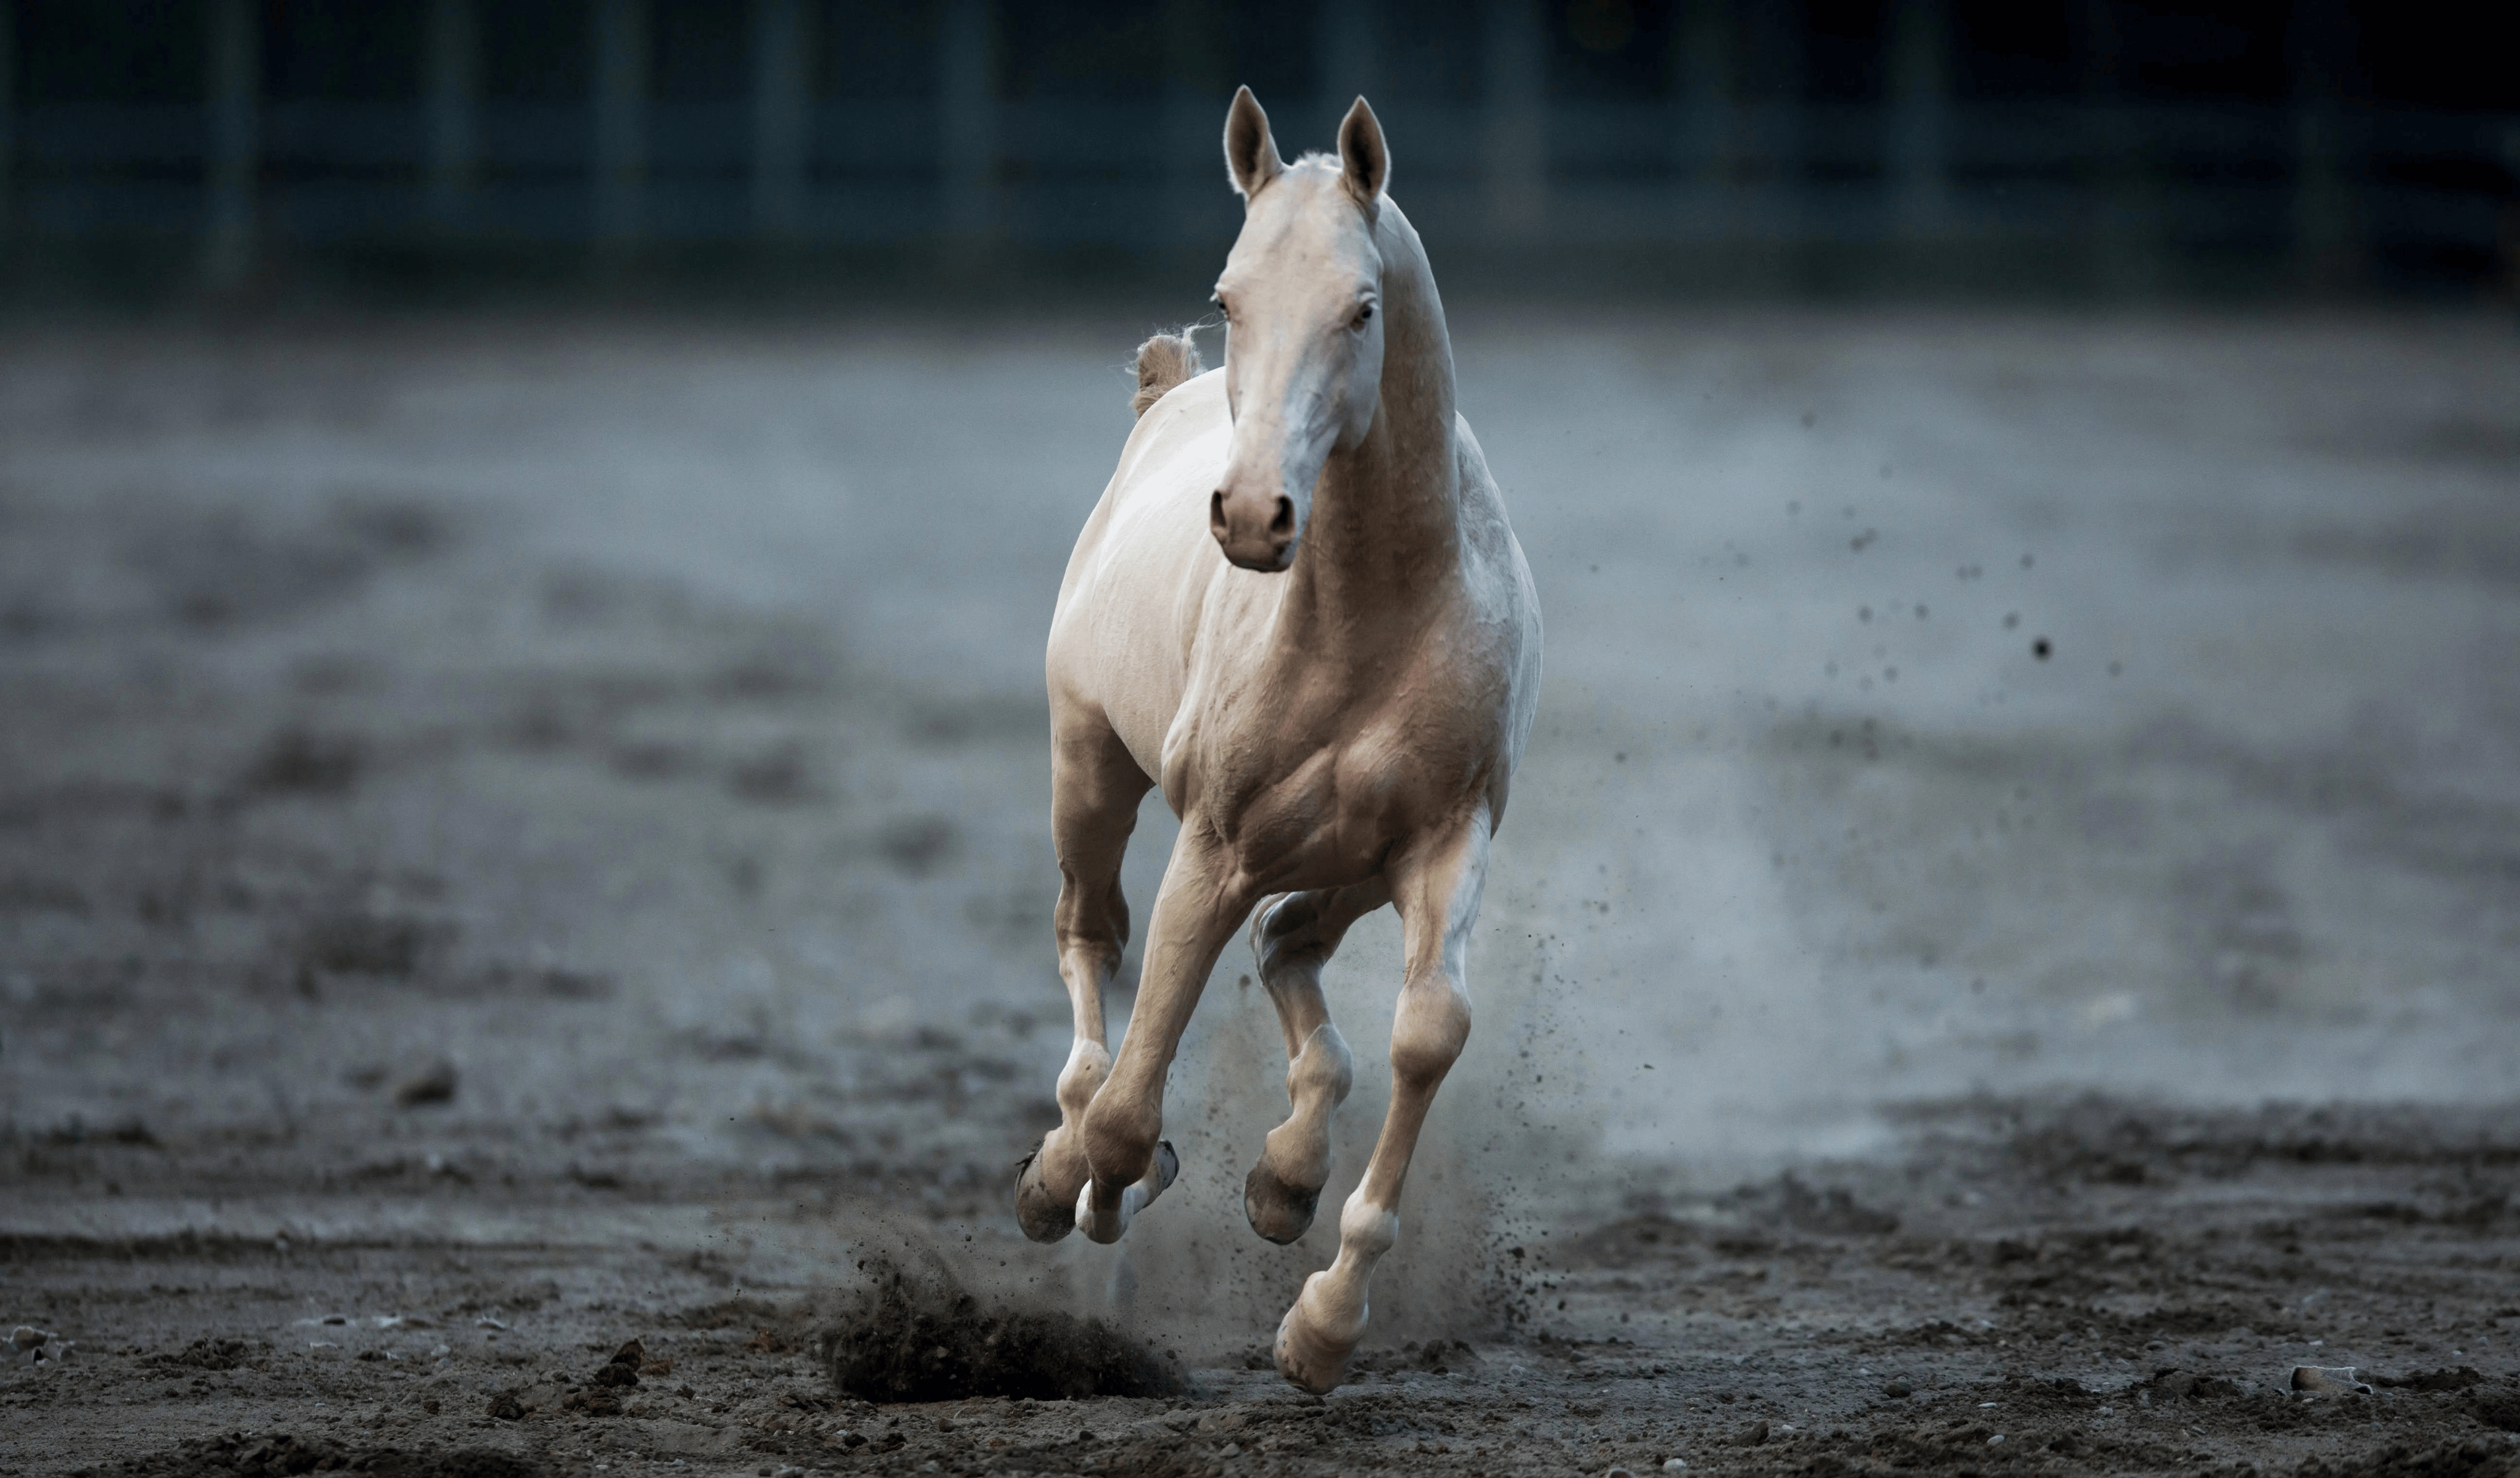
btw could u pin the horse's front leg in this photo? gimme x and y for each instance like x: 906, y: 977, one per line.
x: 1095, y: 790
x: 1435, y: 883
x: 1292, y: 935
x: 1197, y: 910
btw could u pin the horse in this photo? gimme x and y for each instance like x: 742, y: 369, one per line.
x: 1332, y: 674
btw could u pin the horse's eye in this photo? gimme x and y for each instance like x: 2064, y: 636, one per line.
x: 1362, y: 314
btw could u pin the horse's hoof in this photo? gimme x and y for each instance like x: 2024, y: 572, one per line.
x: 1277, y: 1211
x: 1043, y: 1218
x: 1105, y: 1224
x: 1308, y: 1362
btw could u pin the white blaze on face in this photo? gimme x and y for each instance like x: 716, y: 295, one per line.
x: 1303, y: 359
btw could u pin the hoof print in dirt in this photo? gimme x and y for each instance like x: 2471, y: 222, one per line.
x: 926, y: 1339
x: 1436, y: 1356
x: 2187, y: 1385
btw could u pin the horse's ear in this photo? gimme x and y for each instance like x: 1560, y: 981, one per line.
x: 1364, y: 161
x: 1250, y: 155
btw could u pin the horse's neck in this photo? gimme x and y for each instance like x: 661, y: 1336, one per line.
x: 1384, y: 532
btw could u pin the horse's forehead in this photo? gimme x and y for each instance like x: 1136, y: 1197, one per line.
x: 1305, y: 224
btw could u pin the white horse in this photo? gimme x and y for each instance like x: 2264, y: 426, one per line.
x: 1332, y: 674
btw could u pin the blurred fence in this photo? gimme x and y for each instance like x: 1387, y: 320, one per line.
x: 956, y: 167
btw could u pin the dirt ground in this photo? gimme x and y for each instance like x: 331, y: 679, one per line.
x: 519, y: 838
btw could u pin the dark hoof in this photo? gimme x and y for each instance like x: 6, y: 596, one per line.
x: 1277, y: 1211
x: 1043, y: 1218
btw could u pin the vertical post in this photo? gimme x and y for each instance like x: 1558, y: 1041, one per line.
x: 1706, y: 73
x: 2125, y: 239
x: 782, y: 49
x: 2326, y: 251
x: 1772, y: 199
x: 1193, y: 159
x: 232, y: 85
x: 1921, y: 135
x: 620, y: 153
x: 1347, y: 59
x: 967, y: 131
x: 8, y: 114
x: 452, y: 84
x: 1517, y: 139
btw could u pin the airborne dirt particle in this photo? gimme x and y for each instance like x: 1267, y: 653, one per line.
x: 924, y: 1338
x: 299, y: 761
x: 435, y: 1084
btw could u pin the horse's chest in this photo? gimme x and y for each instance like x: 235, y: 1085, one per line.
x: 1309, y: 799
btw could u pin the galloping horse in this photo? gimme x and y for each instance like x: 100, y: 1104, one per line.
x: 1332, y: 677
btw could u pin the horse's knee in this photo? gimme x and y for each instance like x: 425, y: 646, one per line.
x: 1120, y: 1137
x: 1429, y: 1029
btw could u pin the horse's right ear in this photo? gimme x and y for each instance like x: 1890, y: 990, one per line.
x: 1250, y: 155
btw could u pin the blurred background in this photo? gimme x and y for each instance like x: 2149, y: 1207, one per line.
x: 2096, y: 149
x: 528, y: 530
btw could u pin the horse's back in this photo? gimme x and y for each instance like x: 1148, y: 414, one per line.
x: 1119, y: 642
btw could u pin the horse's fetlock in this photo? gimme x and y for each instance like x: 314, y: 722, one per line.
x: 1089, y: 1063
x: 1323, y: 1067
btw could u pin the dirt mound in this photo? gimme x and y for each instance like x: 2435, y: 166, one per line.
x: 2476, y: 1458
x: 238, y: 1456
x: 215, y: 1355
x: 926, y: 1339
x: 2500, y: 1409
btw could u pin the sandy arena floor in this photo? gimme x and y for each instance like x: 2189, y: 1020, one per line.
x: 520, y: 837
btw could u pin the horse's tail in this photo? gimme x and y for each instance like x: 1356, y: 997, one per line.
x: 1163, y: 361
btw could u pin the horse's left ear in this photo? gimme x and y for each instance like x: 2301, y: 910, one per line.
x: 1365, y: 163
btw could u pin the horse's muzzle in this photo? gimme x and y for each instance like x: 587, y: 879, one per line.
x: 1255, y: 534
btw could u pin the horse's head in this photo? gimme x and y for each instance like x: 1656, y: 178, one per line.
x: 1302, y: 295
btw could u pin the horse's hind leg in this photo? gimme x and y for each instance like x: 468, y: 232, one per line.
x: 1095, y: 791
x: 1292, y: 935
x: 1436, y: 885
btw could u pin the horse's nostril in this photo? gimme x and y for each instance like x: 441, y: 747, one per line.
x: 1283, y: 520
x: 1216, y: 512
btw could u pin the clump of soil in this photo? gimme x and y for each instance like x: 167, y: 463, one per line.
x: 926, y: 1339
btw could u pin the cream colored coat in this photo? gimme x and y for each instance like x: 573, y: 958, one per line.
x: 1300, y: 610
